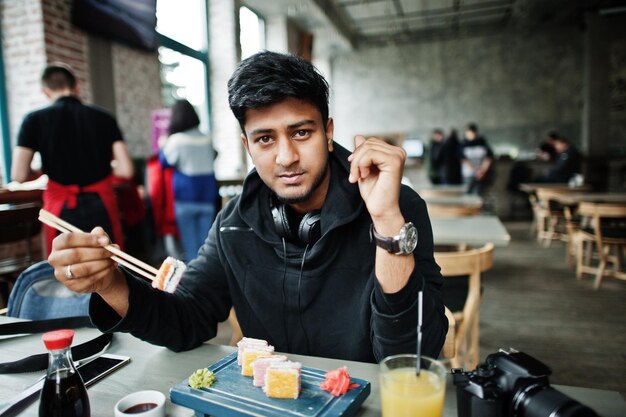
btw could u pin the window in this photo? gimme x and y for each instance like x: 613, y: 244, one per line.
x: 183, y: 54
x: 184, y: 77
x: 251, y: 32
x: 183, y: 21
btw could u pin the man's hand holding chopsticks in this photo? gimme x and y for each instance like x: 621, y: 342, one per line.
x: 83, y: 265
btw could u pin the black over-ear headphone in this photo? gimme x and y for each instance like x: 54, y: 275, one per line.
x: 309, y: 229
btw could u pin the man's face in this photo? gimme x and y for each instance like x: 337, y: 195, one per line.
x: 470, y: 134
x: 289, y: 146
x: 559, y: 146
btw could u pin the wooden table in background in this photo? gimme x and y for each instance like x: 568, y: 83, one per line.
x: 17, y: 197
x: 573, y: 199
x: 531, y: 187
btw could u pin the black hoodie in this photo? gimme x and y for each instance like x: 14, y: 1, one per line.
x: 320, y: 300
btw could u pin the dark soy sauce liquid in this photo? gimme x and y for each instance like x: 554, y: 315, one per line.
x: 140, y: 408
x: 67, y: 398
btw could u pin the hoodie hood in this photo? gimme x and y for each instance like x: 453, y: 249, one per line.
x: 340, y: 206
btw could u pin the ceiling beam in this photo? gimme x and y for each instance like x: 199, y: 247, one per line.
x: 463, y: 18
x: 339, y: 19
x: 450, y: 11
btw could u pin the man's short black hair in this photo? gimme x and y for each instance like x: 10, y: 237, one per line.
x: 472, y: 127
x: 184, y: 117
x: 553, y: 135
x: 267, y: 78
x: 58, y: 77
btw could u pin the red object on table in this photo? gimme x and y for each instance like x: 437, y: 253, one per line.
x: 337, y: 382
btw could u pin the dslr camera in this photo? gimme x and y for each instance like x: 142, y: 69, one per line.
x: 512, y: 384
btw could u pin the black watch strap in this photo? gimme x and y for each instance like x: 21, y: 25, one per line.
x: 389, y: 244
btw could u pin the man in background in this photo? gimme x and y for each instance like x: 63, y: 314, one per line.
x: 81, y: 147
x: 476, y: 159
x: 567, y: 162
x: 435, y: 156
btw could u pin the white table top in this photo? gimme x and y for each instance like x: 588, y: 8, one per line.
x: 452, y: 190
x: 471, y: 230
x: 465, y: 200
x: 158, y: 368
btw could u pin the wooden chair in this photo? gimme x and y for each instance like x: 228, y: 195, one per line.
x: 572, y: 226
x: 18, y: 227
x: 237, y: 334
x: 446, y: 211
x: 602, y: 229
x: 550, y: 218
x: 449, y: 346
x: 471, y: 263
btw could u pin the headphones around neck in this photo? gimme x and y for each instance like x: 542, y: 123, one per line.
x: 309, y: 229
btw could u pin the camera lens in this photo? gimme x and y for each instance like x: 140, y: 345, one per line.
x: 548, y: 402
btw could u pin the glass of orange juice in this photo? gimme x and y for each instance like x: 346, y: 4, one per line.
x: 405, y: 394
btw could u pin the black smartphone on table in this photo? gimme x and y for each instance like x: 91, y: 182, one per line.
x: 96, y: 369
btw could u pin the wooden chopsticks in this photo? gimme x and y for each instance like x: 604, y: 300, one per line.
x: 120, y: 257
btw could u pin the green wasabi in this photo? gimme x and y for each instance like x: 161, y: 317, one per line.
x: 202, y: 378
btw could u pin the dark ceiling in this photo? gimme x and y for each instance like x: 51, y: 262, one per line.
x: 370, y: 22
x: 384, y: 21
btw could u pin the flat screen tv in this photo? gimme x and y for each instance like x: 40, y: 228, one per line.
x: 414, y: 148
x: 132, y: 22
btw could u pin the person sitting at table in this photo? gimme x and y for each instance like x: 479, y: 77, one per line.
x: 317, y: 254
x: 81, y: 147
x: 567, y: 162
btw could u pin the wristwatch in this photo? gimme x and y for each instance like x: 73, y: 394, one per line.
x: 402, y: 244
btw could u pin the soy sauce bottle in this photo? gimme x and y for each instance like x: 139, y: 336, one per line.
x: 63, y: 393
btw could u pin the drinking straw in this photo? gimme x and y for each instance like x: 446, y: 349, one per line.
x: 418, y: 360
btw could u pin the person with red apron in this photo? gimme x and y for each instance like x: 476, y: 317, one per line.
x: 77, y: 144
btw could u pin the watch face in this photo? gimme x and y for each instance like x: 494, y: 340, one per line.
x: 408, y: 241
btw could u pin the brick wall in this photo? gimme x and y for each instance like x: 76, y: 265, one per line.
x: 66, y: 43
x: 24, y: 57
x: 515, y: 86
x: 137, y: 83
x: 38, y: 32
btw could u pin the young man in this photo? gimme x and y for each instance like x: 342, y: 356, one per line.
x: 476, y: 160
x: 292, y: 253
x: 77, y: 144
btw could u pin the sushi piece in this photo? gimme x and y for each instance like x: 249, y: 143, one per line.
x: 260, y: 365
x: 282, y: 380
x: 250, y: 354
x: 170, y: 273
x: 248, y: 342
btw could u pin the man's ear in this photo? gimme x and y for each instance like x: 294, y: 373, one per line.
x: 47, y: 92
x: 330, y: 129
x: 244, y: 142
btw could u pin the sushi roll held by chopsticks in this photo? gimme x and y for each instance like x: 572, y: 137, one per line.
x: 169, y: 275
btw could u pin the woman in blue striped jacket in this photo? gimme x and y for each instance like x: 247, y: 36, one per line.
x: 191, y: 153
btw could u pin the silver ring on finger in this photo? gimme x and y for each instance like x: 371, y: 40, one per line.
x: 68, y: 272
